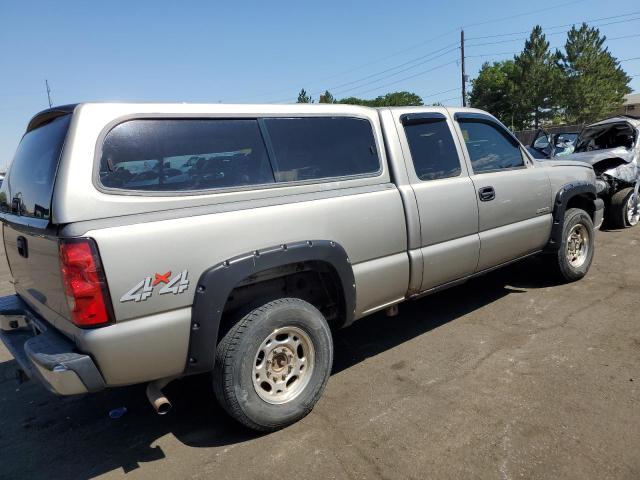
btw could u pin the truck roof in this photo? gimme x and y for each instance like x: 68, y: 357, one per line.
x: 165, y: 107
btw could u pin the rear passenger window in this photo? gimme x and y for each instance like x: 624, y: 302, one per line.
x: 432, y: 149
x: 321, y: 147
x: 184, y: 154
x: 489, y: 148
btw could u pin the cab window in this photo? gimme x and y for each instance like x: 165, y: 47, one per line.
x: 433, y: 152
x: 490, y: 148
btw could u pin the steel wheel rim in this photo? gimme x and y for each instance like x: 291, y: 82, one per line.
x: 577, y: 245
x: 631, y: 218
x: 283, y: 365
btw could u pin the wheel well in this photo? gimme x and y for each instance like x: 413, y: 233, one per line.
x: 316, y: 282
x: 583, y: 202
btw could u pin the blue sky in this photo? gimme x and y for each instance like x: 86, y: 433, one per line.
x: 256, y: 51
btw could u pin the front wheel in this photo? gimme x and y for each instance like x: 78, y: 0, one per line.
x: 575, y: 254
x: 272, y: 365
x: 624, y: 210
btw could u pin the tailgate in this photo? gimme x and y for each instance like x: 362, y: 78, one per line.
x: 35, y: 267
x: 25, y: 210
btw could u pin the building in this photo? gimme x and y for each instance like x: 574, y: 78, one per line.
x: 631, y: 105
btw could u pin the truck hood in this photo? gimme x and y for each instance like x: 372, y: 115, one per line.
x: 596, y: 156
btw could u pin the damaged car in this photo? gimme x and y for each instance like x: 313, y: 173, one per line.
x: 612, y: 147
x: 546, y: 146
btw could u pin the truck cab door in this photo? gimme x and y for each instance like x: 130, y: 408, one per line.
x: 445, y: 196
x: 514, y: 196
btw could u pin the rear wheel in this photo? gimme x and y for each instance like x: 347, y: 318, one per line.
x: 622, y: 210
x: 272, y: 365
x: 574, y: 257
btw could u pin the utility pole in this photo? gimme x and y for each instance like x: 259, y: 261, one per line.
x: 464, y: 76
x: 46, y: 82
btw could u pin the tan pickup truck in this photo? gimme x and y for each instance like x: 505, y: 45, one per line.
x: 152, y: 241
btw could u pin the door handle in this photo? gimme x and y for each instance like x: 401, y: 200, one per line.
x: 486, y: 194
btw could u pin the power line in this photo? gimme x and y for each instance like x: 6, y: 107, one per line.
x: 624, y: 36
x: 337, y: 90
x: 390, y: 69
x: 449, y: 63
x: 360, y: 67
x: 442, y: 100
x: 514, y: 53
x: 532, y: 12
x: 421, y: 60
x: 409, y: 77
x: 518, y: 39
x: 558, y: 26
x: 491, y: 54
x: 337, y: 87
x: 422, y: 43
x: 440, y: 93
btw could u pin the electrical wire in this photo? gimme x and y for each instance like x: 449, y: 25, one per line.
x: 409, y: 77
x: 426, y: 58
x: 557, y: 26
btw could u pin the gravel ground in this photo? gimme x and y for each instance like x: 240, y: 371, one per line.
x: 508, y: 376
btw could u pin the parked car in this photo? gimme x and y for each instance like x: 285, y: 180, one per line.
x: 295, y: 220
x: 612, y: 147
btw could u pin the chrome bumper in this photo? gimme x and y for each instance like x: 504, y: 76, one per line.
x: 44, y: 353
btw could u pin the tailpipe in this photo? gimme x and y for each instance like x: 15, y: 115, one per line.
x: 159, y: 402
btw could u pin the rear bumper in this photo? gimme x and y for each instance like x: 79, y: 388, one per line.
x: 45, y: 354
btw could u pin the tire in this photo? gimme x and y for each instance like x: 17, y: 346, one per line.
x: 577, y: 230
x: 278, y: 340
x: 619, y: 213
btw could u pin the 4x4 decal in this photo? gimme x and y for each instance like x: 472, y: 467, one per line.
x: 144, y: 289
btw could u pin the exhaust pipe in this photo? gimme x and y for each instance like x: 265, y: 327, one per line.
x: 158, y: 401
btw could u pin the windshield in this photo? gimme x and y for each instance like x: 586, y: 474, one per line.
x: 28, y: 187
x: 610, y: 135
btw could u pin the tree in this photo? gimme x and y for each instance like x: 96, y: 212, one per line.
x: 398, y: 99
x: 326, y: 97
x: 595, y: 83
x: 537, y: 78
x: 304, y: 97
x: 394, y: 99
x: 356, y: 101
x: 495, y: 91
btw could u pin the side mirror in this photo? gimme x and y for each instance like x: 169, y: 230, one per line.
x: 542, y: 142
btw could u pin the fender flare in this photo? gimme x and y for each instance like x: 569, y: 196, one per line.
x: 566, y: 193
x: 216, y: 283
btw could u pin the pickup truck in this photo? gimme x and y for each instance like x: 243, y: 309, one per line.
x: 148, y: 242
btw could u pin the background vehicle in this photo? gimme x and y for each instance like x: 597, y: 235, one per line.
x: 612, y: 146
x: 293, y: 220
x: 545, y: 145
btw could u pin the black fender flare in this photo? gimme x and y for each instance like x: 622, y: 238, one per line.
x: 566, y: 193
x: 216, y: 283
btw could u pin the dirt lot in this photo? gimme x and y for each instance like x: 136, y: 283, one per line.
x: 505, y: 377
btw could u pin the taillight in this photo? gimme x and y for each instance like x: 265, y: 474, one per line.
x: 84, y: 283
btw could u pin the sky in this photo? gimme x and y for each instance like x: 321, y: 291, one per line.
x: 265, y: 52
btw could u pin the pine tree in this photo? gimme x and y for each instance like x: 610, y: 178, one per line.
x: 537, y: 79
x: 595, y: 83
x: 326, y: 97
x: 304, y: 97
